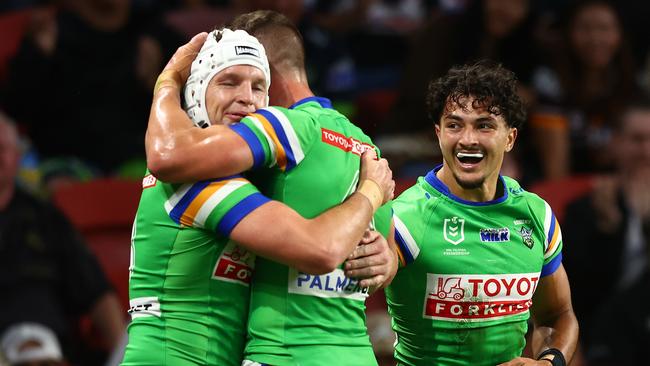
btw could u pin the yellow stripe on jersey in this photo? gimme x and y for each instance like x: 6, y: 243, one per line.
x: 555, y: 240
x: 281, y: 157
x: 189, y: 216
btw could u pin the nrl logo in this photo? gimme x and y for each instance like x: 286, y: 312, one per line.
x: 454, y: 230
x: 527, y: 236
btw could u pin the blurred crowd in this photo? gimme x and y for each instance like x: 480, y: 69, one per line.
x: 76, y: 79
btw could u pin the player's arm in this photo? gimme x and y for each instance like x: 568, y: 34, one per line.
x: 314, y: 246
x: 317, y: 245
x: 553, y: 317
x: 176, y: 150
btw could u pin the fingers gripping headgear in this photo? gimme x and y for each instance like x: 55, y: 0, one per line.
x: 223, y: 48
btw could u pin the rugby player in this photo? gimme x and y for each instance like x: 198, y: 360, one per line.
x: 192, y: 252
x: 306, y: 155
x: 480, y: 254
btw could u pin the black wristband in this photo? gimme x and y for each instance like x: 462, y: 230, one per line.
x: 558, y: 359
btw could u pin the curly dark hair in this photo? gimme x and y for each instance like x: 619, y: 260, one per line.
x: 490, y: 84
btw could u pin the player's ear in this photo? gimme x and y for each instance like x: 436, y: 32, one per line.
x: 512, y: 137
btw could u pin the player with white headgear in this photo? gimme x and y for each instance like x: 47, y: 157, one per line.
x: 190, y: 266
x: 222, y: 49
x: 188, y: 289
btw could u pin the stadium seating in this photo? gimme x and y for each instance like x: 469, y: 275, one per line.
x: 12, y: 27
x: 559, y: 193
x: 103, y: 211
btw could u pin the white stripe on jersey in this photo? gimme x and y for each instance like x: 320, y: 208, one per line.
x: 176, y: 197
x: 558, y: 241
x: 548, y: 216
x: 411, y: 244
x: 294, y: 143
x: 216, y: 198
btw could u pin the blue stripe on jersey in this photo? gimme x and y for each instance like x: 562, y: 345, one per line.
x: 324, y: 102
x: 279, y: 131
x: 239, y: 211
x: 177, y: 212
x: 408, y: 256
x: 253, y: 142
x: 550, y: 267
x: 436, y: 183
x: 551, y: 230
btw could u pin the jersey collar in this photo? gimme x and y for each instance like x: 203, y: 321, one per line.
x: 436, y: 183
x: 324, y: 102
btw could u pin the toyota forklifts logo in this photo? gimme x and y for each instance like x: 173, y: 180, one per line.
x: 454, y: 230
x: 475, y: 297
x: 450, y: 288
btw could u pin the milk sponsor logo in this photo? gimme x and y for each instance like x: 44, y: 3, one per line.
x: 495, y: 235
x: 478, y: 297
x: 454, y: 230
x: 333, y: 284
x: 348, y: 144
x: 235, y: 264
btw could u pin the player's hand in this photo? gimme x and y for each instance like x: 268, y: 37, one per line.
x: 179, y: 66
x: 523, y: 361
x: 373, y: 262
x: 378, y: 171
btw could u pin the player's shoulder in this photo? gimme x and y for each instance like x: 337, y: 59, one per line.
x: 516, y: 191
x: 287, y: 116
x: 332, y: 119
x: 418, y: 197
x: 273, y: 111
x: 519, y: 195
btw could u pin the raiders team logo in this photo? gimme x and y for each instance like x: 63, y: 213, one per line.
x: 527, y: 236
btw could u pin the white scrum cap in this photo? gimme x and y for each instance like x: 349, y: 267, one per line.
x: 223, y: 48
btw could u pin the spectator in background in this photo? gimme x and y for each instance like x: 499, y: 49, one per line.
x: 346, y: 41
x: 488, y: 29
x: 99, y: 63
x: 622, y: 335
x: 47, y: 274
x: 589, y: 76
x: 609, y: 229
x: 31, y: 344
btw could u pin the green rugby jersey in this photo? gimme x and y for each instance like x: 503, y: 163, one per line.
x: 463, y: 297
x: 189, y: 285
x: 311, y: 154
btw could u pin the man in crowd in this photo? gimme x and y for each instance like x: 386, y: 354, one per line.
x: 478, y: 250
x: 49, y: 276
x: 611, y: 228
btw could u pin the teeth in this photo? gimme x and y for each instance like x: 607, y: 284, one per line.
x: 470, y: 155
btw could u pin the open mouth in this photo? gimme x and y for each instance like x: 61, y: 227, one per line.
x: 469, y: 158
